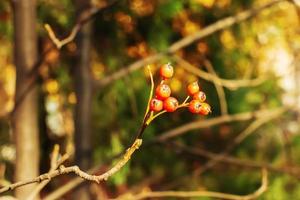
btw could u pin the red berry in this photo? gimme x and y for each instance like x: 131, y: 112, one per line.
x: 156, y: 105
x: 163, y: 91
x: 170, y: 104
x: 166, y: 71
x: 195, y: 106
x: 200, y: 96
x: 205, y: 109
x: 193, y: 88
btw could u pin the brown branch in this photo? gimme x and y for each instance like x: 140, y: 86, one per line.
x: 215, y: 121
x: 83, y: 18
x: 186, y: 194
x: 219, y: 88
x: 208, y: 30
x: 230, y: 84
x: 55, y: 163
x: 75, y: 169
x: 241, y: 137
x: 293, y: 171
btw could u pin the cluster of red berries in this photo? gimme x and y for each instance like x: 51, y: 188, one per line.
x: 164, y: 101
x: 197, y: 105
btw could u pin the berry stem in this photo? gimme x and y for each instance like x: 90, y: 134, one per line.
x: 186, y: 99
x: 150, y: 94
x: 152, y: 117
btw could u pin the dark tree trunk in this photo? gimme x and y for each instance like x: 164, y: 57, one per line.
x: 83, y: 89
x: 25, y: 123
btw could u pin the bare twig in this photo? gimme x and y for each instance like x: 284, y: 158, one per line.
x: 230, y: 84
x: 219, y: 88
x: 67, y: 187
x: 218, y: 120
x: 83, y: 18
x: 241, y: 137
x: 56, y: 161
x: 293, y: 171
x: 75, y: 169
x: 186, y: 194
x: 208, y: 30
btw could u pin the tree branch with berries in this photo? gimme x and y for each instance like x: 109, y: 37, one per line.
x: 160, y: 101
x: 158, y: 104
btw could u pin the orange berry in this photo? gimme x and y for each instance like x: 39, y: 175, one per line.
x: 156, y: 105
x: 193, y: 88
x: 195, y: 106
x: 170, y: 104
x: 200, y: 96
x: 205, y: 109
x: 166, y: 71
x: 163, y: 91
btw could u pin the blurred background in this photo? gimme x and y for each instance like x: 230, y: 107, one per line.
x: 82, y: 96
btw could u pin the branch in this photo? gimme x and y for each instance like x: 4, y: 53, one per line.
x: 83, y: 18
x: 208, y: 30
x: 219, y: 88
x: 185, y: 194
x: 66, y: 187
x: 230, y: 84
x: 215, y: 121
x: 75, y: 169
x: 55, y: 163
x: 293, y: 171
x: 241, y: 137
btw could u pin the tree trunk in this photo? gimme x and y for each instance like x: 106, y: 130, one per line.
x: 83, y: 89
x: 25, y: 123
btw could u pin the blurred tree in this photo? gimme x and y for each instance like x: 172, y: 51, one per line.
x: 25, y: 123
x: 83, y: 90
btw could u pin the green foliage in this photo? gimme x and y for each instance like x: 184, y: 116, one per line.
x: 169, y: 9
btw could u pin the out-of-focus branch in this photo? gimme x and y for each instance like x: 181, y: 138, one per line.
x: 230, y: 84
x: 67, y: 187
x: 75, y: 169
x: 60, y: 43
x: 84, y: 17
x: 219, y: 88
x: 241, y: 137
x: 186, y: 194
x: 56, y: 161
x: 217, y: 120
x: 206, y: 31
x: 293, y: 171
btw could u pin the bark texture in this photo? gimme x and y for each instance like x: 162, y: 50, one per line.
x: 25, y: 121
x: 83, y: 89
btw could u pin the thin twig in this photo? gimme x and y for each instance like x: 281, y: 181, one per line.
x: 55, y: 163
x: 186, y: 194
x: 75, y: 169
x: 216, y: 121
x: 230, y: 84
x: 219, y: 88
x: 181, y: 148
x: 241, y: 137
x: 83, y: 18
